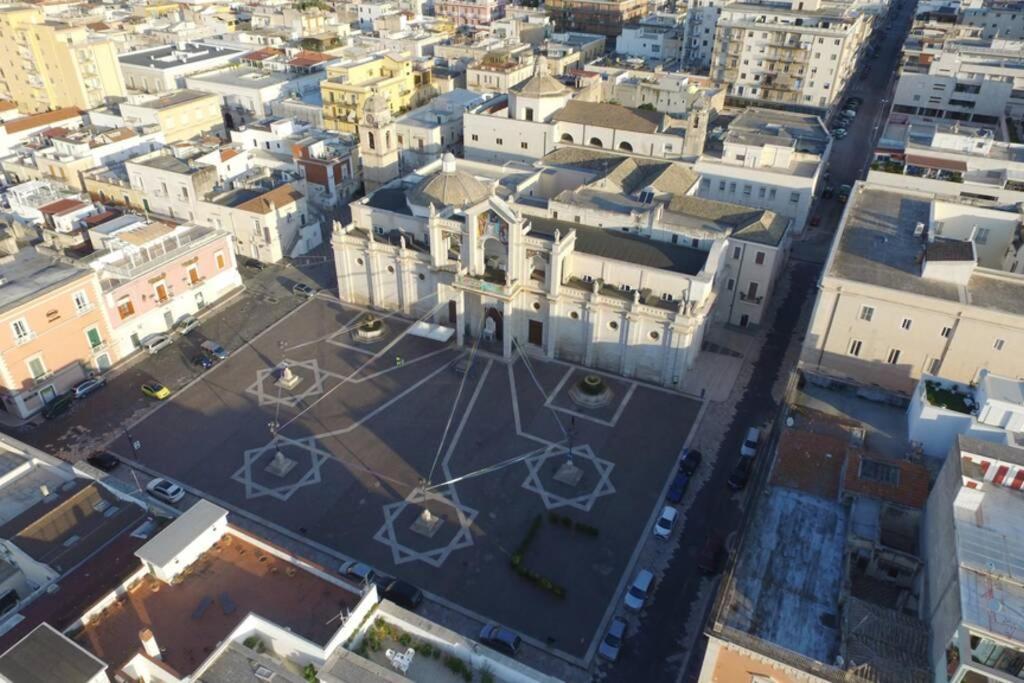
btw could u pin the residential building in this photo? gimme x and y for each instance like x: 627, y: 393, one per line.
x: 537, y: 116
x: 826, y: 582
x: 801, y: 52
x: 180, y: 115
x: 247, y: 93
x: 348, y: 85
x: 18, y: 130
x: 1001, y: 19
x: 425, y: 133
x: 171, y: 181
x: 677, y: 94
x: 699, y: 33
x: 972, y: 549
x: 50, y: 64
x: 470, y: 12
x: 55, y: 330
x: 917, y: 284
x: 767, y: 159
x: 269, y: 219
x: 152, y: 274
x: 571, y: 50
x: 604, y: 17
x: 499, y: 71
x: 940, y: 410
x: 164, y: 68
x: 657, y: 39
x: 967, y: 79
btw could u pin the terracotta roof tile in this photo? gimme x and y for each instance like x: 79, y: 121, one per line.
x: 62, y: 206
x: 275, y: 199
x: 910, y: 488
x: 40, y: 120
x: 809, y: 462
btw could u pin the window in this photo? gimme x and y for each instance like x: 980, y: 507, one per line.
x: 36, y: 367
x: 81, y: 301
x: 474, y: 137
x: 93, y: 335
x: 125, y: 308
x: 981, y: 237
x: 529, y: 114
x: 736, y: 252
x: 946, y: 332
x: 999, y: 344
x: 794, y: 197
x: 193, y: 275
x: 499, y: 141
x: 879, y: 471
x: 867, y: 313
x: 746, y: 190
x: 906, y: 323
x: 721, y: 186
x: 219, y: 259
x: 893, y: 357
x: 771, y: 194
x: 732, y: 188
x: 759, y: 258
x: 524, y: 145
x: 21, y: 331
x: 933, y: 366
x: 614, y: 325
x: 760, y: 192
x: 730, y: 284
x: 855, y: 346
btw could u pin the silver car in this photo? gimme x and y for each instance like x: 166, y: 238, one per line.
x: 612, y: 642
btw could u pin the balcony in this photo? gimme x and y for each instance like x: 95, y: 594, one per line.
x: 98, y: 348
x: 751, y: 299
x: 488, y: 284
x: 82, y: 310
x: 23, y: 339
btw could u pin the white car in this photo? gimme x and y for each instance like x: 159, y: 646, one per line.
x: 750, y: 443
x: 358, y: 571
x: 666, y: 522
x: 636, y: 596
x: 165, y: 490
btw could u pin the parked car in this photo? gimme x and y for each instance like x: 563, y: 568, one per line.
x: 844, y: 193
x: 636, y: 596
x: 86, y: 387
x: 666, y: 522
x: 304, y: 291
x: 203, y: 361
x: 103, y: 460
x: 690, y: 461
x: 839, y: 133
x: 403, y: 594
x: 186, y: 324
x: 740, y: 474
x: 253, y: 264
x: 165, y: 490
x: 155, y: 342
x: 501, y: 639
x: 853, y: 103
x: 57, y: 406
x: 850, y: 113
x: 750, y: 442
x: 156, y: 390
x: 677, y: 489
x: 214, y: 350
x: 612, y: 642
x: 828, y: 192
x: 357, y: 570
x: 709, y: 560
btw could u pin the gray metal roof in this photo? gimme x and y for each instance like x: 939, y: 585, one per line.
x: 29, y: 274
x: 46, y: 656
x: 167, y: 544
x: 612, y: 116
x: 169, y: 56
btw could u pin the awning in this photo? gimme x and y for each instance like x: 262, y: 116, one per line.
x: 935, y: 162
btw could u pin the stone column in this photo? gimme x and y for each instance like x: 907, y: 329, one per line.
x: 460, y: 317
x: 551, y: 327
x: 402, y: 276
x: 508, y: 329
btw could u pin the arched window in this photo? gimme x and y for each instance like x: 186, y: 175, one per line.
x: 566, y: 137
x: 596, y: 142
x: 625, y: 146
x: 370, y: 140
x: 387, y: 139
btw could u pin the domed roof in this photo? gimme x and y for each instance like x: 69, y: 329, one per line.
x: 541, y: 83
x: 376, y: 103
x: 449, y: 187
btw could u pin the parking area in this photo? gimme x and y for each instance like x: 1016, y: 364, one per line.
x: 370, y: 435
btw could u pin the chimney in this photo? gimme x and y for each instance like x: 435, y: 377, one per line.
x: 149, y: 643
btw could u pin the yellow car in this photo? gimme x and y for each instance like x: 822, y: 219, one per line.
x: 156, y: 390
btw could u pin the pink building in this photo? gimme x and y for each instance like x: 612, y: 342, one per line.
x: 470, y: 13
x: 153, y: 274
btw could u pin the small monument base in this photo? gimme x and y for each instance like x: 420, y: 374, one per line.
x: 427, y: 524
x: 288, y: 379
x: 569, y: 474
x: 280, y: 465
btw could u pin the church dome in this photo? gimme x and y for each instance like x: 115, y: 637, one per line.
x: 541, y: 83
x: 449, y: 187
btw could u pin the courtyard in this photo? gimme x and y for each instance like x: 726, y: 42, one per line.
x: 371, y: 434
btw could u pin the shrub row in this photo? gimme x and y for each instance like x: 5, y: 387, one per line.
x: 569, y: 523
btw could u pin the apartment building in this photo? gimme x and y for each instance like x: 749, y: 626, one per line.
x: 171, y: 181
x: 1002, y: 19
x: 699, y: 33
x: 657, y: 39
x: 54, y: 327
x: 470, y: 12
x: 164, y: 68
x: 971, y: 542
x: 49, y: 64
x: 917, y: 283
x: 966, y: 79
x: 767, y: 159
x: 801, y: 52
x: 153, y: 273
x: 247, y: 94
x: 603, y: 17
x: 180, y: 115
x: 19, y: 129
x: 348, y: 85
x: 677, y: 94
x: 269, y: 219
x: 500, y: 71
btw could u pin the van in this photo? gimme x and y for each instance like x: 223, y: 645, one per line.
x: 636, y: 596
x: 155, y: 342
x: 750, y: 443
x: 214, y: 349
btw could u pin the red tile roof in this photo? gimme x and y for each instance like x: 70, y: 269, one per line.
x: 40, y: 120
x: 262, y: 53
x: 308, y: 58
x: 810, y: 462
x: 228, y: 153
x: 910, y: 490
x: 62, y: 206
x: 6, y: 105
x: 275, y: 199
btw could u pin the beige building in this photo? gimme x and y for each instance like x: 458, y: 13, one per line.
x: 180, y: 115
x: 918, y: 283
x: 48, y: 64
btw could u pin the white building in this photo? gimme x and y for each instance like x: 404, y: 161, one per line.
x: 656, y: 38
x: 699, y: 33
x: 425, y: 133
x: 248, y: 93
x: 164, y: 68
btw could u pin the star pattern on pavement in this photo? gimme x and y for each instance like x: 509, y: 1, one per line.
x: 581, y: 455
x: 435, y: 557
x: 253, y: 489
x: 268, y: 394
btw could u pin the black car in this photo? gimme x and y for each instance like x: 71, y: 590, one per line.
x: 103, y: 460
x: 254, y: 264
x: 677, y: 489
x: 403, y: 594
x: 500, y: 639
x: 741, y: 473
x: 203, y: 361
x: 57, y: 406
x: 690, y: 461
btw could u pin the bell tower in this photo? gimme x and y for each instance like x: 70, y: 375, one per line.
x: 378, y: 143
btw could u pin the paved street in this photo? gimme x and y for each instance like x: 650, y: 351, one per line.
x: 669, y: 635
